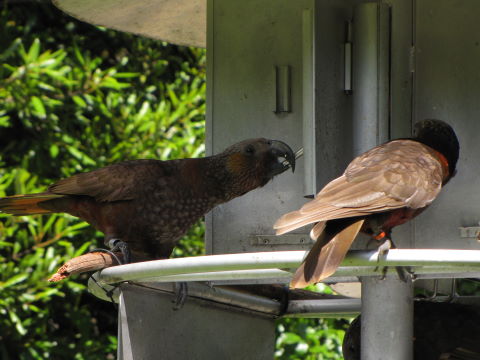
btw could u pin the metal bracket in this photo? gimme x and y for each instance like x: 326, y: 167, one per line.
x: 470, y: 232
x: 289, y: 239
x: 283, y: 89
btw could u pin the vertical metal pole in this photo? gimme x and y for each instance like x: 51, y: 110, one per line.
x: 387, y: 305
x: 387, y: 319
x: 371, y: 70
x: 119, y: 333
x: 308, y: 106
x: 209, y: 140
x: 124, y: 349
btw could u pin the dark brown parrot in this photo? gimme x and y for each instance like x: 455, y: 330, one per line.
x: 442, y: 331
x: 382, y: 188
x: 149, y: 204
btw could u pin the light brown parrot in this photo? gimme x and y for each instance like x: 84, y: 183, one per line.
x: 382, y: 188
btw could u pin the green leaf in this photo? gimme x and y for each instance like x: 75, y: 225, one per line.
x: 13, y: 280
x: 112, y: 83
x: 54, y: 150
x: 34, y: 50
x: 38, y: 108
x: 18, y: 322
x: 5, y: 121
x: 82, y: 249
x: 46, y: 294
x: 78, y: 54
x: 79, y: 101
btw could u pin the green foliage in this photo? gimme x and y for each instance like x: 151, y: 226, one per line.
x: 74, y: 97
x: 82, y: 104
x: 38, y: 319
x: 468, y: 287
x: 310, y: 339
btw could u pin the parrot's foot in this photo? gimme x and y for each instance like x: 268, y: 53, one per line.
x: 404, y: 272
x: 119, y: 245
x: 382, y: 254
x: 384, y: 248
x: 181, y: 293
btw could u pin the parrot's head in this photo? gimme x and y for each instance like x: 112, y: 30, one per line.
x: 252, y: 163
x: 441, y: 137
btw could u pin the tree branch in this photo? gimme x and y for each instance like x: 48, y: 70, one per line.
x: 87, y: 262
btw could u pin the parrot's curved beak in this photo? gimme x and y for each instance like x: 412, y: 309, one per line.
x: 284, y: 155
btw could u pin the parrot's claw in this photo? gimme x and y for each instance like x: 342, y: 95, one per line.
x: 181, y: 293
x: 382, y: 253
x: 384, y: 248
x: 404, y: 272
x: 119, y: 245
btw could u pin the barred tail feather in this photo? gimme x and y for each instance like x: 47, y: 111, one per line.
x: 26, y: 204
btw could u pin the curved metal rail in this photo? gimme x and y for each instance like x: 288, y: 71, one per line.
x: 425, y: 263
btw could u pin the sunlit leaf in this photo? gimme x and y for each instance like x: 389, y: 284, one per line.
x: 54, y: 150
x: 13, y: 280
x: 79, y: 101
x: 39, y: 109
x: 34, y: 50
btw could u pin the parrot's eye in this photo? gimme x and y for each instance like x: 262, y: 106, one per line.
x: 250, y: 150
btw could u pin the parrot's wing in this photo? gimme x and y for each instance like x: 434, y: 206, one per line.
x: 401, y: 173
x: 121, y: 181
